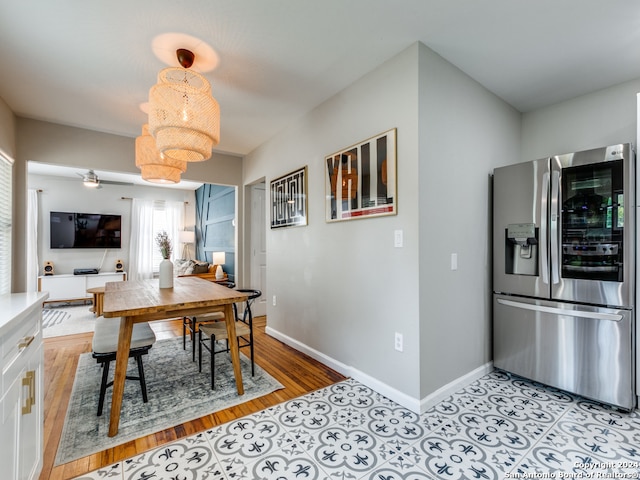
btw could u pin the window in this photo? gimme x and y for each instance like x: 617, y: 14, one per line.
x: 167, y: 216
x: 6, y: 174
x: 148, y: 217
x: 159, y: 224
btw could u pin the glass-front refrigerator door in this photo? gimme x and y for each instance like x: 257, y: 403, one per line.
x: 590, y: 226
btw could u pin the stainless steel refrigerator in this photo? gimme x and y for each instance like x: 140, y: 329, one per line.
x: 564, y: 272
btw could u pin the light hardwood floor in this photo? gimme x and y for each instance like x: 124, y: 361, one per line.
x: 297, y: 372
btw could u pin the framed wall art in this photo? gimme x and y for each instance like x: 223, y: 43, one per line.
x: 289, y: 199
x: 361, y: 180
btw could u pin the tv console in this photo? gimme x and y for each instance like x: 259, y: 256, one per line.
x: 71, y: 287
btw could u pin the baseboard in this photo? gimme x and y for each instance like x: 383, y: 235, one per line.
x: 301, y: 347
x: 450, y: 388
x: 411, y: 403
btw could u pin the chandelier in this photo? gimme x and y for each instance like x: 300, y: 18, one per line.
x: 153, y: 167
x: 184, y: 118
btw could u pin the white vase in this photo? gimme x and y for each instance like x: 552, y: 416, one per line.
x: 165, y: 279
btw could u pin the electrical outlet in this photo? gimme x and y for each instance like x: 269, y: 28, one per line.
x: 274, y: 300
x: 398, y: 343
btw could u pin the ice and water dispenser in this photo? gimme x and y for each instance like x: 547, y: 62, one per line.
x: 521, y: 249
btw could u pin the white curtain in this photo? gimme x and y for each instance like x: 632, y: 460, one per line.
x: 147, y: 218
x: 32, y: 241
x: 173, y: 223
x: 141, y: 243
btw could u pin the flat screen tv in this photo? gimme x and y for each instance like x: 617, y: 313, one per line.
x: 84, y: 230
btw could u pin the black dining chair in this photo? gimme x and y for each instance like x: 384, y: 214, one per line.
x: 191, y: 323
x: 211, y: 333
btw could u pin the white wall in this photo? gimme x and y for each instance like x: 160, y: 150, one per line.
x: 606, y: 117
x: 69, y: 195
x: 465, y: 131
x: 342, y: 289
x: 77, y: 147
x: 7, y: 130
x: 8, y: 147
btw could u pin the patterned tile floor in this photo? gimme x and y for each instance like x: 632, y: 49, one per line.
x: 496, y: 428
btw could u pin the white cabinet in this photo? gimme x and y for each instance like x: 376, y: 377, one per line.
x: 74, y: 287
x: 63, y: 287
x: 21, y: 395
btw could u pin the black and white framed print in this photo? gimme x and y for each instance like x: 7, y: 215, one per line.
x: 361, y: 179
x: 289, y: 199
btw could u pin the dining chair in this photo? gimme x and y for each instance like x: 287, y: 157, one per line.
x: 191, y: 324
x: 105, y: 345
x: 211, y: 333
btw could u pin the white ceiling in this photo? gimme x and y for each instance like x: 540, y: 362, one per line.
x: 90, y: 63
x: 75, y: 174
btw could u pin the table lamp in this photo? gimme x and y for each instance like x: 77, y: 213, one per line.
x: 219, y: 260
x: 186, y: 237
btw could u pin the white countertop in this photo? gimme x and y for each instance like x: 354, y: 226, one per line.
x: 12, y: 305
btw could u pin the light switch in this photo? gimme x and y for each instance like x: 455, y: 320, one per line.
x: 454, y: 261
x: 397, y: 238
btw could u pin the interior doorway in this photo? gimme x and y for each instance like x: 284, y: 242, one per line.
x: 257, y: 245
x: 215, y: 225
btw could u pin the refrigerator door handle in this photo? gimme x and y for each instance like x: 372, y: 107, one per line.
x: 561, y: 311
x: 544, y: 259
x: 555, y: 257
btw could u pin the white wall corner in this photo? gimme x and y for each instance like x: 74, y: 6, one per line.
x: 408, y: 402
x: 452, y: 387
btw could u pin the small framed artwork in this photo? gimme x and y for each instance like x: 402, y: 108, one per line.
x: 361, y: 180
x: 289, y: 199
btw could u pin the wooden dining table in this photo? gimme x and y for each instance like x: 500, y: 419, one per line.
x: 138, y: 301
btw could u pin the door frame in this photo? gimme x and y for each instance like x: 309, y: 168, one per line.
x: 252, y: 266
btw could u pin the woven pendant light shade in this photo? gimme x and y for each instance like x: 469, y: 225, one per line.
x: 153, y: 167
x: 184, y: 118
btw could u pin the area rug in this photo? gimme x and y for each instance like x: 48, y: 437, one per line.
x: 67, y: 320
x: 177, y: 393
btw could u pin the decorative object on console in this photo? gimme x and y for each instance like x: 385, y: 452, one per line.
x: 219, y: 260
x: 48, y: 268
x: 361, y: 180
x: 166, y: 267
x: 119, y: 266
x: 187, y: 237
x: 184, y: 118
x: 289, y: 199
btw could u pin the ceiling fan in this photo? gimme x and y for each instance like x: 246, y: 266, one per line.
x: 90, y: 179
